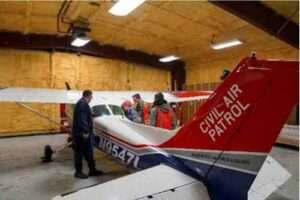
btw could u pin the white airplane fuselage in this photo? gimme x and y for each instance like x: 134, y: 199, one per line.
x: 130, y: 142
x: 134, y: 144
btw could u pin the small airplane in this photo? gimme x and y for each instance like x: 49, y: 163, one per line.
x: 216, y: 155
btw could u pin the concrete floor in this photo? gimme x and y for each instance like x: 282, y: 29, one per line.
x: 23, y: 177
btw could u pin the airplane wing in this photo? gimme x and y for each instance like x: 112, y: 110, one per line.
x: 159, y: 182
x: 42, y: 95
x: 38, y: 95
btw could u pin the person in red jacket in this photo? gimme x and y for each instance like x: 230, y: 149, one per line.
x: 162, y: 115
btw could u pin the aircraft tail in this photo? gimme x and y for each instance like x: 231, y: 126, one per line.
x: 228, y: 138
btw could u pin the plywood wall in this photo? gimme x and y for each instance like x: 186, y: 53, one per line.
x: 51, y: 70
x: 208, y: 68
x: 25, y: 69
x: 204, y: 72
x: 138, y: 75
x: 105, y: 74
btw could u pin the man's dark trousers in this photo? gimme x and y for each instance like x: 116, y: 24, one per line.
x: 83, y: 149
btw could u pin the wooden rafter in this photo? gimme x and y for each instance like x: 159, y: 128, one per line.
x: 265, y: 18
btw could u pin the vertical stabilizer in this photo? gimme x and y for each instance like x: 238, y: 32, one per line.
x: 229, y: 137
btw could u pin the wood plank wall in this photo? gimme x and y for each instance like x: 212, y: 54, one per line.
x: 204, y: 72
x: 50, y: 70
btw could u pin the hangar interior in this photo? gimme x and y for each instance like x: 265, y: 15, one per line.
x: 123, y: 54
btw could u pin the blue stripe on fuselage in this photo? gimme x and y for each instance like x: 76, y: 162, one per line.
x: 223, y: 183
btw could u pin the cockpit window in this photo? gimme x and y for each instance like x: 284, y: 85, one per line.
x: 116, y: 110
x: 100, y: 110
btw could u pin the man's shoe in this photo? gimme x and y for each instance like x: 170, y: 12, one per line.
x: 80, y: 175
x: 95, y: 173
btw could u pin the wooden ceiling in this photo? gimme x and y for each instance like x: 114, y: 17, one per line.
x: 184, y: 28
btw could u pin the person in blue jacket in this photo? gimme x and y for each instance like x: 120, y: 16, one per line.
x: 82, y: 133
x: 130, y: 112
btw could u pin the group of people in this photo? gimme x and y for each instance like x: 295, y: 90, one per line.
x: 159, y: 115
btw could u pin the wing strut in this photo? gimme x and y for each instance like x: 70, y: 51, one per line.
x: 40, y: 114
x: 48, y: 156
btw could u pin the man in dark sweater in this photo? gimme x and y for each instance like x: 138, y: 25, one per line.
x: 82, y: 135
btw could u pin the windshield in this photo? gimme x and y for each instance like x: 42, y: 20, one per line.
x: 100, y: 110
x: 116, y: 110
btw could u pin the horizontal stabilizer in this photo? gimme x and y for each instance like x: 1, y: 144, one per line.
x: 160, y: 182
x: 270, y: 177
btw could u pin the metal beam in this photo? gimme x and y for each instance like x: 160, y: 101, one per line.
x: 265, y: 18
x: 17, y: 40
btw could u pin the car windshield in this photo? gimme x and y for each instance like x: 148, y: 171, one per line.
x: 100, y: 110
x: 116, y: 110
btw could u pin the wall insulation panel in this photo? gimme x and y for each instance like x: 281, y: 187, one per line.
x: 39, y: 69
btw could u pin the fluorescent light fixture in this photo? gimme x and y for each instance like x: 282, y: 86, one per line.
x: 226, y: 44
x: 80, y: 41
x: 168, y: 58
x: 124, y: 7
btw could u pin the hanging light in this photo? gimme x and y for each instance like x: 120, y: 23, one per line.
x: 80, y: 39
x: 124, y: 7
x: 226, y: 44
x: 169, y: 58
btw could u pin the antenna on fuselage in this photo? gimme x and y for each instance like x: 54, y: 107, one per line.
x: 67, y: 86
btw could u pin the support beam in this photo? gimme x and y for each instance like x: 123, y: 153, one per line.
x: 17, y: 40
x: 178, y: 76
x: 265, y: 18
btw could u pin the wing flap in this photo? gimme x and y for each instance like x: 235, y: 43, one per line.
x: 192, y: 191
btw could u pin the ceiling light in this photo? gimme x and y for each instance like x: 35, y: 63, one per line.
x: 168, y: 58
x: 226, y: 44
x: 124, y: 7
x: 80, y: 40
